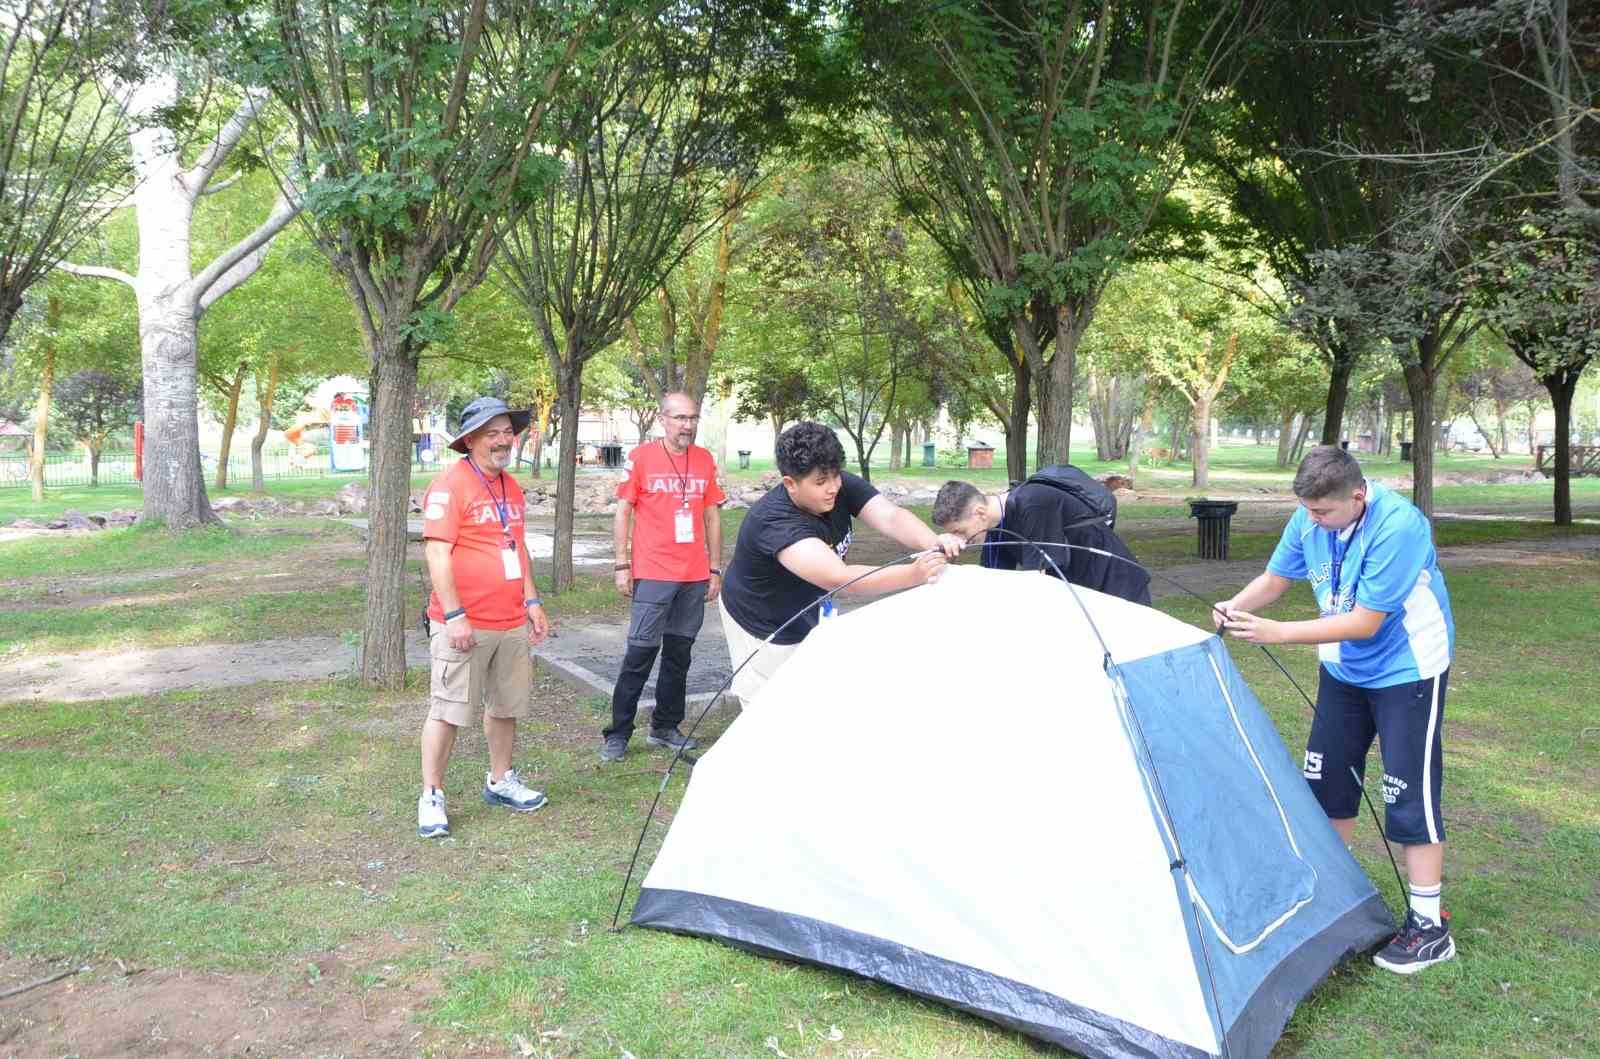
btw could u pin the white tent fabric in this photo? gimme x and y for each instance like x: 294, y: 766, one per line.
x: 946, y: 772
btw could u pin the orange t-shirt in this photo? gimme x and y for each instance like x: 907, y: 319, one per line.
x: 657, y: 485
x: 459, y: 510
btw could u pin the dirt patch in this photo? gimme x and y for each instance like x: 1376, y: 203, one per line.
x: 94, y: 675
x: 355, y: 1001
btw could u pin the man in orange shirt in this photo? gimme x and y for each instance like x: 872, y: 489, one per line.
x: 669, y: 506
x: 484, y: 611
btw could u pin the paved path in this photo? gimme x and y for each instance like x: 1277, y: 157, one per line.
x: 587, y: 654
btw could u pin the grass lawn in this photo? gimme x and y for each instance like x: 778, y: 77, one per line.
x: 141, y: 587
x: 267, y: 832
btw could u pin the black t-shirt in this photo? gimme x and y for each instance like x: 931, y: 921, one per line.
x: 1042, y: 512
x: 760, y: 592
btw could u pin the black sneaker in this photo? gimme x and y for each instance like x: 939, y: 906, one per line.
x: 614, y: 747
x: 672, y: 739
x: 1420, y: 943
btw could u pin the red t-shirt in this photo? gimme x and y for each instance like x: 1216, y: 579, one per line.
x: 458, y: 509
x: 657, y: 485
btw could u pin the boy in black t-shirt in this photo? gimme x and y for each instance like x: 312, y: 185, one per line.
x: 1058, y: 505
x: 792, y: 549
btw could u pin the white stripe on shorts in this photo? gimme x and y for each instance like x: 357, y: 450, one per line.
x: 1427, y: 766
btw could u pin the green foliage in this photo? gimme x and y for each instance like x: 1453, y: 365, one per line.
x: 63, y: 153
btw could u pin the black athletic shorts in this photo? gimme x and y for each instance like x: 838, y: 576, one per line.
x: 1408, y: 720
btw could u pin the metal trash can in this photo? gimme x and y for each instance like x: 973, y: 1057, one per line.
x: 930, y: 454
x: 611, y: 454
x: 1405, y: 451
x: 1212, y: 519
x: 744, y: 459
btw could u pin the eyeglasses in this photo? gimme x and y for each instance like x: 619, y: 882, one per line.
x: 682, y: 420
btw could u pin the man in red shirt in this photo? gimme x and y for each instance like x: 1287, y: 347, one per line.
x: 669, y: 509
x: 484, y: 611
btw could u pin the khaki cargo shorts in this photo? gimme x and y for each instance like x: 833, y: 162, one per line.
x: 741, y: 645
x: 497, y: 671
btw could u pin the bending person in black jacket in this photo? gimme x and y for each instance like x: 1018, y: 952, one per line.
x: 1058, y: 505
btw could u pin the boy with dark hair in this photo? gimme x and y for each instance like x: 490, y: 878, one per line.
x: 1058, y: 505
x: 792, y: 548
x: 1385, y: 638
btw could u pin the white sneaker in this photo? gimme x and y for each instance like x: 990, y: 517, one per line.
x: 431, y: 821
x: 512, y: 793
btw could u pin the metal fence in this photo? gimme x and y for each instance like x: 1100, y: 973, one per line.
x: 116, y: 468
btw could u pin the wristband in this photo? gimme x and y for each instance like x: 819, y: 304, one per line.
x: 716, y: 571
x: 623, y: 566
x: 452, y: 615
x: 534, y: 602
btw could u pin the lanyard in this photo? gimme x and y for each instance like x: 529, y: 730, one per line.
x: 1337, y: 565
x: 682, y: 476
x: 500, y: 508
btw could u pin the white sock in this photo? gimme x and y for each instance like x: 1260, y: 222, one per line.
x: 1425, y: 902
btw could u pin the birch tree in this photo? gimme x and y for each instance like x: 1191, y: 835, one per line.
x: 171, y: 176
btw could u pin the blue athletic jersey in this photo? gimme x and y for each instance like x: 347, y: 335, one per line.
x: 1386, y: 562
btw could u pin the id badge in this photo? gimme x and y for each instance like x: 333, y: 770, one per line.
x: 683, y: 526
x: 511, y: 561
x: 1328, y: 652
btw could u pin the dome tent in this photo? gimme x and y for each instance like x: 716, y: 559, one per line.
x: 952, y: 791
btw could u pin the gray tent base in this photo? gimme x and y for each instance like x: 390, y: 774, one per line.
x: 1014, y: 1005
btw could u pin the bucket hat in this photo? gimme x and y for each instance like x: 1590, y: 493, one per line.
x: 479, y: 412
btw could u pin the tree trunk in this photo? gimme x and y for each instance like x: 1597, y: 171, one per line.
x: 1419, y: 384
x: 1338, y: 397
x: 1147, y: 422
x: 41, y: 410
x: 1300, y: 441
x: 536, y: 435
x: 94, y: 464
x: 1055, y: 395
x: 1500, y: 424
x: 1561, y: 389
x: 229, y: 422
x: 568, y: 403
x: 266, y: 393
x: 1200, y: 442
x: 1176, y: 440
x: 1017, y: 424
x: 1488, y: 438
x: 863, y: 454
x: 895, y: 436
x: 174, y: 483
x: 394, y: 395
x: 1286, y: 425
x: 1098, y: 415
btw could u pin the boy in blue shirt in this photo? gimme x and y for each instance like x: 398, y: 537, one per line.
x: 1385, y: 638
